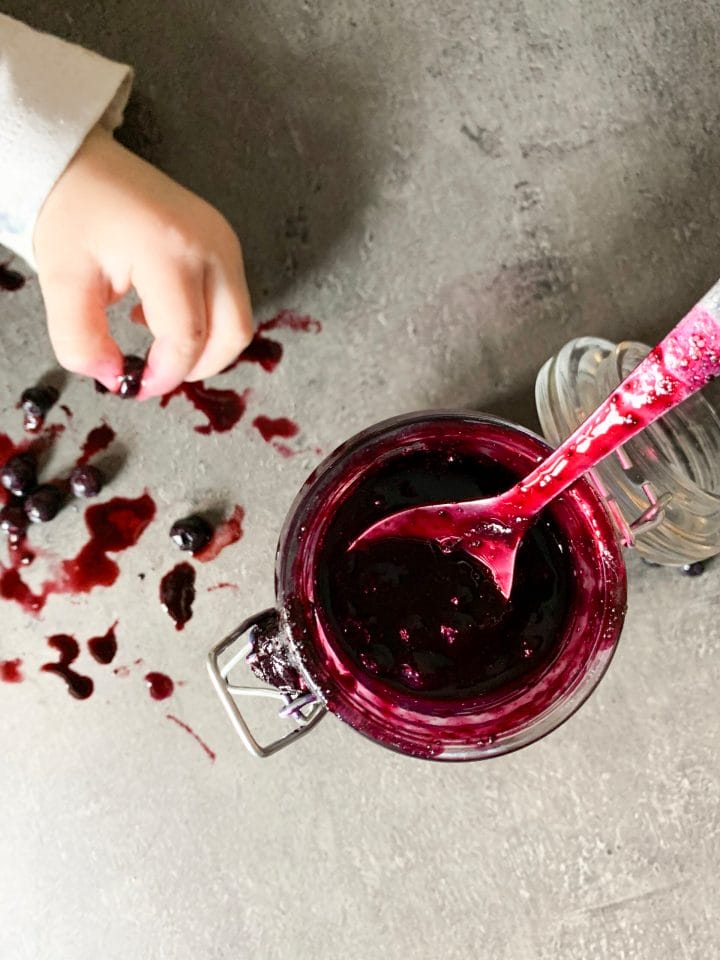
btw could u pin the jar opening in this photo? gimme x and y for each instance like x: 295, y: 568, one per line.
x: 377, y: 696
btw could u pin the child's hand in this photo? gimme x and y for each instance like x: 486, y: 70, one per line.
x: 112, y: 222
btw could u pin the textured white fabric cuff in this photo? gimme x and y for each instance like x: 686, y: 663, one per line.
x: 52, y: 93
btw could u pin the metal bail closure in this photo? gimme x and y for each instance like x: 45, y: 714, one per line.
x: 301, y: 708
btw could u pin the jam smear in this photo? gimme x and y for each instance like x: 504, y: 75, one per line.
x: 189, y: 729
x: 13, y: 587
x: 10, y: 671
x: 104, y: 648
x: 223, y: 408
x: 268, y: 352
x: 269, y: 428
x: 177, y: 593
x: 261, y: 350
x: 226, y: 533
x: 114, y: 526
x: 79, y: 686
x: 97, y: 440
x: 290, y: 320
x: 432, y: 622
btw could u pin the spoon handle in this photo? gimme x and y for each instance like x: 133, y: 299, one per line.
x: 684, y: 362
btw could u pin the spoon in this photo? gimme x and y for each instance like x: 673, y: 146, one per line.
x: 491, y: 529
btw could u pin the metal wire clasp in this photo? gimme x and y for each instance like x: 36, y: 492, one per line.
x: 304, y: 709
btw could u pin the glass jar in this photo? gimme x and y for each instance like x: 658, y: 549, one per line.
x: 663, y: 486
x: 660, y: 495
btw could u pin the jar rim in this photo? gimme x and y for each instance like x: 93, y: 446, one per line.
x: 458, y: 736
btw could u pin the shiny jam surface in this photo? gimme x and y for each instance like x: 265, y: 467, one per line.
x: 429, y: 621
x: 413, y: 645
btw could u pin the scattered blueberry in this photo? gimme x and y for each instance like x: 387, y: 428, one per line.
x: 131, y: 379
x: 36, y: 401
x: 693, y: 569
x: 191, y: 533
x: 13, y: 521
x: 43, y: 504
x: 19, y: 474
x: 86, y: 481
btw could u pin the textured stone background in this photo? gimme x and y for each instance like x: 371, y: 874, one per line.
x: 454, y: 189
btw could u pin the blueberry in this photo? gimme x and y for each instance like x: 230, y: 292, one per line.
x: 43, y: 504
x: 191, y: 533
x: 86, y: 481
x: 131, y: 379
x: 19, y: 474
x: 693, y: 569
x: 36, y: 401
x: 13, y: 521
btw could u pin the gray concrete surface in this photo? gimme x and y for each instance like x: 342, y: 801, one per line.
x: 479, y: 183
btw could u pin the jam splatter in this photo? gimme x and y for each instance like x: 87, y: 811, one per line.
x: 97, y: 440
x: 263, y: 351
x: 189, y: 729
x: 177, y: 592
x: 223, y: 408
x: 226, y: 533
x: 268, y: 352
x: 290, y: 320
x: 223, y: 586
x: 13, y: 587
x: 10, y: 671
x: 10, y: 280
x: 270, y: 427
x: 104, y: 648
x: 114, y: 526
x: 79, y: 686
x: 160, y: 685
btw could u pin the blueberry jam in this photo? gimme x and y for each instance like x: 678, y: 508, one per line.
x: 104, y: 647
x: 413, y: 645
x: 429, y: 621
x: 79, y: 686
x: 222, y: 408
x: 177, y: 593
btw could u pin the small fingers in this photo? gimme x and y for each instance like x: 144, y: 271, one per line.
x: 78, y: 328
x: 174, y: 307
x: 229, y: 315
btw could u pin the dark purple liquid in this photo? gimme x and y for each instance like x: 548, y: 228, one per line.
x: 10, y: 671
x: 263, y: 351
x: 114, y: 526
x: 79, y: 686
x: 10, y: 280
x: 431, y: 622
x: 267, y: 352
x: 97, y: 440
x: 188, y: 729
x: 104, y: 648
x: 269, y: 428
x: 223, y: 408
x: 160, y: 685
x: 177, y: 593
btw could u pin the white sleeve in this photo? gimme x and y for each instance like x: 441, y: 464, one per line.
x: 52, y: 93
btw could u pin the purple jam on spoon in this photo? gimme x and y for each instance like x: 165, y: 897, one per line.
x: 491, y: 529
